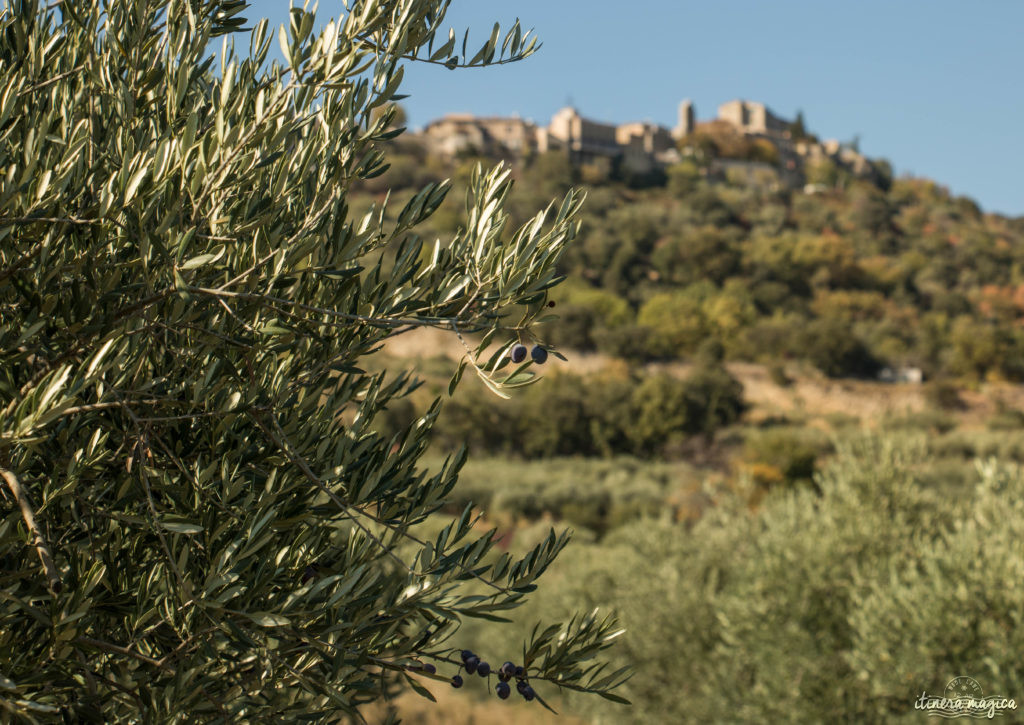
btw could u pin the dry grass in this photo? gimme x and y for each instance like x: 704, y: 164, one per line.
x: 463, y: 707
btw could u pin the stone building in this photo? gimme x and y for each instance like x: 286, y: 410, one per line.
x: 846, y: 156
x: 462, y: 132
x: 641, y: 147
x: 645, y: 136
x: 753, y: 118
x: 687, y: 119
x: 582, y: 138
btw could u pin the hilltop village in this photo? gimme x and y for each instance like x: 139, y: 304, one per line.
x: 745, y: 139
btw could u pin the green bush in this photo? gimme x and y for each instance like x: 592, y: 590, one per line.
x: 682, y: 178
x: 793, y: 452
x: 666, y: 408
x: 598, y: 495
x: 629, y: 342
x: 574, y: 329
x: 660, y: 409
x: 1002, y: 444
x: 585, y: 316
x: 714, y: 398
x: 832, y: 347
x: 778, y: 375
x: 839, y: 606
x: 676, y: 321
x: 594, y: 415
x: 553, y: 418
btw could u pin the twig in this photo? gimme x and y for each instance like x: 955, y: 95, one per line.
x: 48, y: 219
x: 272, y: 302
x: 37, y: 538
x: 189, y: 641
x: 44, y: 84
x: 381, y: 49
x: 231, y: 312
x: 97, y: 406
x: 117, y: 649
x: 142, y: 447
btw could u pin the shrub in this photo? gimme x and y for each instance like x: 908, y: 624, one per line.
x: 553, y: 420
x: 944, y: 395
x: 792, y: 452
x: 714, y: 398
x: 676, y: 323
x: 926, y: 420
x: 596, y: 494
x: 845, y: 604
x: 832, y: 347
x: 660, y: 408
x: 683, y: 178
x: 629, y: 342
x: 575, y: 328
x: 778, y: 375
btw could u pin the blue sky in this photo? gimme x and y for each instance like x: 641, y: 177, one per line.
x: 933, y: 85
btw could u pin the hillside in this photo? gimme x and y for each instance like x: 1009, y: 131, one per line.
x: 853, y: 275
x: 782, y: 404
x: 739, y: 324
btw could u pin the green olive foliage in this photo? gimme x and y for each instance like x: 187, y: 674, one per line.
x: 840, y: 604
x: 199, y: 521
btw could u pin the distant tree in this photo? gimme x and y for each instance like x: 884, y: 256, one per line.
x: 714, y: 397
x: 798, y: 128
x: 977, y: 348
x: 555, y: 421
x: 695, y: 253
x: 660, y: 410
x: 676, y: 323
x: 792, y: 452
x: 683, y: 178
x: 868, y: 210
x: 699, y: 146
x: 549, y: 174
x: 575, y: 328
x: 823, y: 171
x: 883, y: 173
x: 830, y: 345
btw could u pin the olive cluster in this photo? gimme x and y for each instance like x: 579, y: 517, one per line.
x: 518, y: 353
x: 508, y: 671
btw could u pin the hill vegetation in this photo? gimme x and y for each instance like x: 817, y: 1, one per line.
x: 855, y: 276
x: 783, y: 543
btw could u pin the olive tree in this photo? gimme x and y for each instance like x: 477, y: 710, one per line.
x: 198, y: 519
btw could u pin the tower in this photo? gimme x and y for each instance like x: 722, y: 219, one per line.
x: 686, y: 119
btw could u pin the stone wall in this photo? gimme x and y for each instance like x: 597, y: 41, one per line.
x: 753, y: 118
